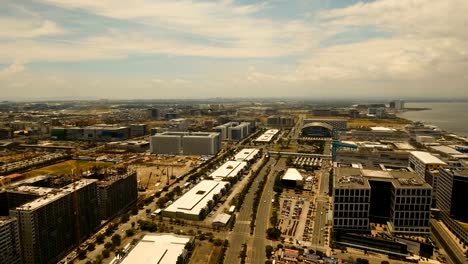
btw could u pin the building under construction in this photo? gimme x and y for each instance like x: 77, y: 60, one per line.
x: 116, y: 193
x: 54, y: 223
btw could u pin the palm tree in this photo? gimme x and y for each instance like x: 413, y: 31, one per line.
x: 119, y: 253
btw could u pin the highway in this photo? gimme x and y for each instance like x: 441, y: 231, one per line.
x: 321, y: 210
x: 241, y: 231
x: 259, y: 241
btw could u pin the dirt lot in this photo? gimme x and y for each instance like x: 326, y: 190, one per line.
x: 66, y: 167
x: 205, y: 252
x: 162, y: 168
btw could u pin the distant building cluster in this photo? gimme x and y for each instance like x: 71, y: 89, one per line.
x: 186, y: 143
x: 234, y: 131
x: 99, y: 132
x: 280, y: 121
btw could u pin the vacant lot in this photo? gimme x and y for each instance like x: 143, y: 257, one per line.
x: 66, y: 167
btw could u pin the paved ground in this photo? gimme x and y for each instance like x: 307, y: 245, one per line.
x: 259, y: 241
x: 241, y: 231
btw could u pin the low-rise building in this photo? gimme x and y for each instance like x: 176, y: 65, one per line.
x: 267, y: 136
x: 198, y: 201
x: 221, y: 220
x: 160, y: 248
x: 230, y: 170
x: 292, y: 178
x: 247, y: 155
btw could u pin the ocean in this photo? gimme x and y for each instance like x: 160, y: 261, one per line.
x: 452, y: 117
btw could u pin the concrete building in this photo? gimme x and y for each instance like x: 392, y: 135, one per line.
x: 377, y: 112
x: 48, y: 225
x: 161, y: 249
x: 399, y: 199
x: 375, y: 134
x: 117, y: 193
x: 292, y: 178
x: 234, y: 131
x: 421, y: 162
x: 268, y: 136
x: 187, y: 143
x: 397, y: 104
x: 337, y: 124
x: 452, y: 196
x: 230, y: 171
x: 100, y: 132
x: 154, y: 114
x: 10, y: 250
x: 198, y: 201
x: 280, y: 121
x: 221, y: 221
x: 372, y: 157
x: 247, y: 155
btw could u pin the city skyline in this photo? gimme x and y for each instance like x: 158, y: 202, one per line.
x: 54, y: 49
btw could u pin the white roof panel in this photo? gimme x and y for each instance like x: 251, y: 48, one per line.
x: 157, y: 248
x: 427, y: 158
x: 246, y: 154
x: 292, y: 175
x: 229, y: 169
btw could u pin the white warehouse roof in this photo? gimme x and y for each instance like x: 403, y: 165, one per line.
x: 292, y: 175
x: 157, y: 248
x: 268, y: 135
x: 427, y: 158
x: 193, y: 201
x: 229, y: 169
x: 246, y: 154
x: 222, y: 219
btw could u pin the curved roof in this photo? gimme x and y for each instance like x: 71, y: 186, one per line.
x: 318, y: 124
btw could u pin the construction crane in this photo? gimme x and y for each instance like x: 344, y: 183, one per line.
x: 76, y: 205
x: 149, y: 178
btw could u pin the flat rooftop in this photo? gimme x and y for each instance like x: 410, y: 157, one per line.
x: 359, y: 178
x: 229, y: 169
x: 382, y: 129
x: 292, y: 175
x: 246, y: 154
x: 197, y: 198
x: 40, y: 191
x: 56, y: 195
x: 267, y: 136
x: 427, y: 158
x: 157, y: 249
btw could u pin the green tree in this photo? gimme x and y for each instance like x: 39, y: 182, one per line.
x: 100, y: 239
x: 273, y: 233
x: 91, y: 247
x: 116, y: 239
x: 119, y: 253
x: 268, y: 251
x: 105, y: 253
x: 81, y: 254
x: 130, y: 232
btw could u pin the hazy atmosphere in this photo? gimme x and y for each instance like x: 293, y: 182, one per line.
x: 72, y: 49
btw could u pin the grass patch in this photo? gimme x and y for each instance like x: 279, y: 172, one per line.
x: 66, y: 167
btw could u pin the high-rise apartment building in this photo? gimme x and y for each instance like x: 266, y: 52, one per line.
x: 421, y: 162
x: 52, y: 224
x: 10, y: 250
x: 187, y: 143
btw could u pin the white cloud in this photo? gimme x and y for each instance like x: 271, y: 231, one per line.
x: 27, y: 28
x: 11, y: 70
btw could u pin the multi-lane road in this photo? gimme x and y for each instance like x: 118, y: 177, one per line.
x: 257, y: 253
x: 241, y: 231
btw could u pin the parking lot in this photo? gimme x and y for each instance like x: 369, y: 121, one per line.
x: 296, y: 217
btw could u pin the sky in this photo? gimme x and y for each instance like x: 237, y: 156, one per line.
x: 159, y: 49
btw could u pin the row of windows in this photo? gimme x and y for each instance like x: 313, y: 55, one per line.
x: 351, y: 214
x: 352, y: 207
x: 352, y: 199
x: 418, y: 222
x: 412, y: 215
x: 413, y: 200
x: 351, y: 222
x: 413, y: 192
x: 352, y: 192
x: 412, y: 207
